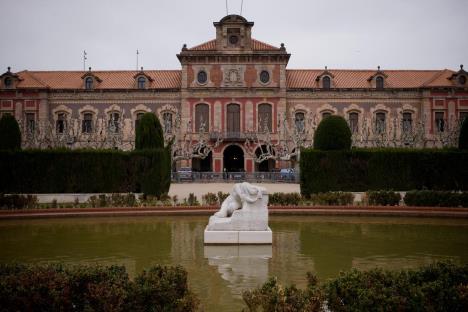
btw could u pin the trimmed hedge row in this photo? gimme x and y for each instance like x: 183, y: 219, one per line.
x: 436, y: 198
x: 437, y: 287
x: 85, y: 171
x: 93, y: 288
x: 361, y: 170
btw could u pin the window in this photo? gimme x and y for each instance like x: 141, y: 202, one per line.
x: 439, y: 121
x: 264, y: 118
x: 8, y: 82
x: 233, y: 118
x: 380, y: 126
x: 88, y: 83
x: 114, y: 122
x: 30, y: 122
x: 202, y: 116
x: 87, y: 123
x: 61, y: 123
x: 167, y: 119
x: 353, y: 122
x: 264, y: 76
x: 233, y: 36
x: 202, y: 77
x: 379, y: 83
x: 326, y: 83
x: 138, y: 118
x: 463, y: 116
x: 326, y: 114
x: 299, y: 120
x: 233, y: 39
x: 407, y: 122
x: 141, y: 83
x: 462, y: 80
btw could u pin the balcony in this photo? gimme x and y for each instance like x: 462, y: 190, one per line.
x: 228, y: 136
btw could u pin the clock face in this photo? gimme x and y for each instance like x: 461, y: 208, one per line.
x: 233, y: 39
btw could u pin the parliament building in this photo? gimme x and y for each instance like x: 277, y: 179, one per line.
x: 229, y: 87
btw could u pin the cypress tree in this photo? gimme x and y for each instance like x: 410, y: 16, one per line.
x: 332, y: 133
x: 463, y: 138
x: 10, y: 134
x: 149, y: 133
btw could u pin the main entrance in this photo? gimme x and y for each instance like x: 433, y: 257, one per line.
x: 233, y: 158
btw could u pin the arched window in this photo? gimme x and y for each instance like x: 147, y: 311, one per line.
x: 141, y: 83
x: 114, y: 122
x: 167, y: 122
x: 202, y: 118
x: 61, y: 123
x: 299, y: 120
x: 440, y: 121
x: 462, y: 80
x: 88, y: 83
x: 326, y: 83
x: 264, y: 118
x: 87, y: 123
x: 380, y: 124
x: 326, y: 114
x: 379, y: 83
x: 353, y: 122
x: 233, y: 119
x: 407, y: 122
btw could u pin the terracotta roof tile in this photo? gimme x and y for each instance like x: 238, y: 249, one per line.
x: 298, y: 79
x: 256, y: 46
x: 162, y: 79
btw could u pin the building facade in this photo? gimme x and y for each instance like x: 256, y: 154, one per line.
x: 231, y: 91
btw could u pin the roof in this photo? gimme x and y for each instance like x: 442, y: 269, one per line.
x: 355, y: 78
x: 162, y: 79
x: 256, y: 46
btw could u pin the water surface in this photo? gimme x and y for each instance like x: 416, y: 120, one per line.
x: 218, y: 274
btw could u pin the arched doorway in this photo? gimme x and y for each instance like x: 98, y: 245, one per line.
x: 233, y: 158
x: 267, y: 165
x: 203, y: 165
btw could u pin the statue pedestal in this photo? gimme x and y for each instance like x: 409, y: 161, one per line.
x: 238, y: 237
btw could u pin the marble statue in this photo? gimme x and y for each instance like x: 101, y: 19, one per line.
x: 243, y: 213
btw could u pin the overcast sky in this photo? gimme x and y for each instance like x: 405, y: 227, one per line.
x: 395, y: 34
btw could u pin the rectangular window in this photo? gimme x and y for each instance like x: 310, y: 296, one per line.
x: 462, y: 117
x: 380, y: 125
x: 353, y: 122
x: 30, y: 122
x: 439, y: 121
x: 114, y: 122
x: 300, y: 122
x: 87, y: 123
x: 407, y: 122
x: 167, y: 119
x: 61, y: 123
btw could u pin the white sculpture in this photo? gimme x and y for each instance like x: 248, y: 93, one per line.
x: 242, y: 218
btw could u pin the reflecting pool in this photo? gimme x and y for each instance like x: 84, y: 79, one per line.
x: 218, y: 274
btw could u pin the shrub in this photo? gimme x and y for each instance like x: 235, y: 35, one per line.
x: 437, y: 287
x: 360, y: 170
x: 463, y: 138
x: 85, y: 171
x: 384, y: 198
x: 149, y: 133
x: 210, y: 199
x: 332, y: 133
x: 222, y: 196
x: 285, y: 199
x: 10, y: 134
x: 436, y: 198
x: 332, y: 198
x: 93, y: 288
x: 192, y: 200
x: 17, y: 201
x: 273, y: 297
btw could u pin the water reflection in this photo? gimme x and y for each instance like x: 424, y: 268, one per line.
x: 243, y: 266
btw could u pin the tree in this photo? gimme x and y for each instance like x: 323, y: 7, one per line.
x: 332, y: 133
x: 149, y: 133
x: 463, y: 138
x: 10, y: 134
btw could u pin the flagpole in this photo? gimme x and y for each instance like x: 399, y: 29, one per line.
x: 84, y: 60
x: 137, y: 53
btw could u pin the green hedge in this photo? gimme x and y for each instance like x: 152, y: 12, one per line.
x: 361, y: 170
x: 85, y: 171
x: 93, y: 288
x: 436, y: 198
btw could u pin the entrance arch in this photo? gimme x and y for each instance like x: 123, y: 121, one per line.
x: 266, y: 165
x: 233, y: 157
x: 203, y: 165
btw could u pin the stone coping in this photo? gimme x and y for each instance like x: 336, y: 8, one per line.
x: 403, y: 211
